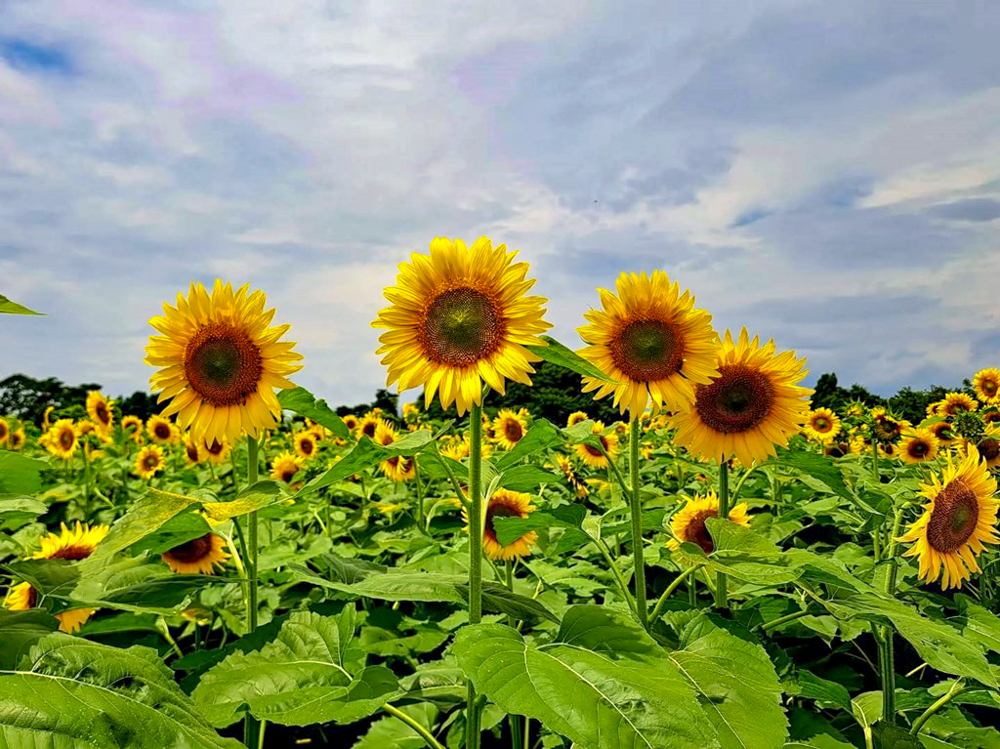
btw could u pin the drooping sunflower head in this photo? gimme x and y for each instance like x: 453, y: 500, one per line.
x: 192, y: 451
x: 99, y: 410
x: 591, y: 455
x: 822, y: 425
x: 956, y: 403
x: 198, y: 556
x: 752, y: 404
x: 75, y: 543
x: 285, y: 466
x: 305, y: 443
x: 505, y: 504
x: 63, y: 439
x: 651, y: 342
x: 216, y: 451
x: 918, y: 446
x: 688, y: 524
x: 509, y: 428
x: 959, y: 518
x: 986, y: 383
x: 149, y: 462
x: 576, y: 417
x: 220, y: 362
x: 458, y: 317
x: 21, y: 597
x: 159, y: 429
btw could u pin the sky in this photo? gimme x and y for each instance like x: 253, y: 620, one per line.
x: 825, y: 174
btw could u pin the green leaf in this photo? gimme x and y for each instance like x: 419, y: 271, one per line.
x: 807, y: 684
x: 71, y: 692
x: 527, y: 478
x: 298, y: 679
x: 365, y: 454
x: 597, y: 702
x: 19, y: 474
x: 19, y: 630
x: 555, y: 353
x: 13, y: 308
x: 134, y: 583
x: 304, y: 403
x: 541, y: 434
x: 814, y: 469
x: 178, y: 530
x: 16, y: 511
x: 55, y: 577
x: 608, y: 631
x: 950, y: 729
x: 510, y: 529
x: 891, y: 736
x: 145, y: 516
x: 979, y: 624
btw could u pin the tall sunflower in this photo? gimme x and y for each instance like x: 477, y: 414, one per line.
x: 751, y: 405
x: 149, y: 462
x: 822, y: 425
x: 459, y: 317
x: 505, y: 504
x: 688, y: 524
x: 593, y: 457
x: 99, y: 410
x: 220, y: 362
x: 651, y: 343
x: 986, y: 383
x: 63, y: 439
x: 509, y: 428
x: 918, y: 446
x: 198, y: 556
x: 285, y: 466
x: 959, y: 518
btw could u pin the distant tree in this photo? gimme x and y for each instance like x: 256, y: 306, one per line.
x: 141, y: 403
x: 386, y: 400
x: 829, y: 394
x: 26, y: 398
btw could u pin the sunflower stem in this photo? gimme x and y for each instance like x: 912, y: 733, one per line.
x: 251, y: 726
x: 887, y: 657
x: 635, y: 502
x: 475, y: 554
x: 956, y: 689
x: 426, y: 735
x: 658, y: 609
x: 721, y: 592
x: 514, y: 721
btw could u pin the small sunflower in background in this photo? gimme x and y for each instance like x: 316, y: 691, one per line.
x: 959, y: 518
x: 991, y: 416
x: 822, y: 425
x: 192, y: 451
x: 305, y: 443
x: 944, y: 432
x: 63, y: 439
x: 989, y: 446
x: 933, y: 408
x: 396, y: 468
x: 456, y: 447
x: 350, y: 421
x: 956, y: 403
x: 99, y: 410
x: 509, y: 428
x: 886, y: 427
x: 986, y: 383
x: 688, y: 524
x: 651, y: 343
x: 566, y: 466
x: 593, y: 457
x: 460, y: 317
x: 159, y: 430
x: 220, y: 362
x: 751, y: 405
x: 576, y: 417
x: 15, y: 440
x: 149, y: 462
x: 45, y: 417
x: 4, y: 432
x: 285, y: 466
x: 506, y: 504
x: 198, y: 556
x: 411, y: 413
x: 367, y: 425
x: 918, y: 446
x: 132, y: 426
x: 216, y: 451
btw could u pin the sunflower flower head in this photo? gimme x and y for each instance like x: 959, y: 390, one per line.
x: 509, y: 428
x: 688, y: 524
x: 986, y: 383
x: 591, y: 455
x: 198, y: 556
x: 505, y: 504
x: 396, y: 468
x: 956, y: 403
x: 822, y: 425
x: 63, y: 439
x: 918, y: 446
x: 285, y: 466
x: 149, y: 462
x: 100, y: 411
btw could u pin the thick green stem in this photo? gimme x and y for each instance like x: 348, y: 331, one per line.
x: 721, y: 592
x: 775, y: 623
x: 420, y: 496
x: 635, y: 510
x: 514, y: 721
x: 887, y: 659
x: 658, y: 608
x: 251, y: 726
x: 424, y: 733
x: 475, y: 555
x: 956, y: 689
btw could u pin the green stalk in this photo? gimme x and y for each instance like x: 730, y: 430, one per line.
x: 514, y: 721
x: 775, y: 623
x: 86, y: 482
x: 658, y: 608
x: 956, y: 689
x: 251, y: 727
x: 635, y: 510
x: 721, y: 592
x: 887, y: 656
x: 423, y: 732
x: 475, y: 512
x: 420, y: 496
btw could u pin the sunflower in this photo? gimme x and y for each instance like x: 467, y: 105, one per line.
x: 989, y: 447
x: 822, y: 425
x: 752, y: 404
x: 285, y: 466
x: 509, y: 428
x: 411, y: 413
x: 15, y: 441
x: 688, y: 525
x: 959, y: 517
x: 456, y: 447
x: 45, y: 418
x: 955, y: 403
x: 576, y: 417
x: 305, y: 443
x: 192, y: 451
x: 458, y: 317
x: 986, y: 383
x: 4, y: 431
x: 99, y: 410
x: 159, y: 429
x: 220, y: 362
x: 991, y: 416
x: 216, y: 451
x: 199, y: 556
x: 149, y: 462
x: 918, y: 446
x: 350, y: 421
x: 886, y: 427
x: 367, y: 425
x: 566, y: 466
x: 505, y: 504
x: 396, y: 468
x: 651, y: 343
x: 837, y: 448
x: 593, y: 457
x: 63, y: 439
x: 933, y: 408
x: 944, y: 432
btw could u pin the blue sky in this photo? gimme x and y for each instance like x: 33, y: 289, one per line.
x: 826, y: 174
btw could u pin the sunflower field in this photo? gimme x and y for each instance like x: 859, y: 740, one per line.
x: 724, y: 567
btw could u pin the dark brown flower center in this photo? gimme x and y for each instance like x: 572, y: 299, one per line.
x: 192, y: 453
x: 215, y: 448
x: 306, y: 445
x: 942, y: 430
x: 73, y: 552
x: 955, y: 515
x: 918, y: 448
x: 222, y: 364
x: 513, y: 430
x: 66, y: 439
x: 3, y: 430
x: 162, y: 431
x: 739, y: 399
x: 150, y: 462
x: 648, y: 350
x: 461, y: 327
x: 989, y: 448
x: 696, y: 532
x: 102, y: 413
x: 591, y: 450
x: 821, y: 424
x: 989, y: 387
x: 369, y: 429
x: 192, y: 551
x: 287, y: 475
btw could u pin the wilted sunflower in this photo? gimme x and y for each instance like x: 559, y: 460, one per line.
x: 192, y: 451
x: 159, y: 430
x: 62, y: 439
x: 822, y: 425
x: 593, y: 457
x: 688, y: 525
x: 576, y: 417
x: 918, y: 446
x: 944, y: 432
x: 216, y: 451
x: 220, y: 362
x: 752, y: 404
x: 285, y: 466
x: 305, y: 443
x: 396, y: 468
x: 955, y: 403
x: 960, y: 517
x: 986, y: 383
x: 651, y: 343
x: 506, y: 504
x: 99, y: 410
x: 15, y: 440
x: 459, y: 317
x: 149, y: 462
x: 509, y: 428
x: 200, y: 555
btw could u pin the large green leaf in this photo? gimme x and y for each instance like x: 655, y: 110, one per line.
x: 16, y: 511
x: 13, y: 308
x: 135, y: 583
x: 304, y: 403
x: 70, y: 692
x: 594, y: 700
x: 366, y: 454
x: 19, y: 474
x: 539, y: 436
x: 298, y: 679
x: 555, y: 353
x: 19, y: 630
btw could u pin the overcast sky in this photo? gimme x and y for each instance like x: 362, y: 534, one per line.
x: 827, y: 174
